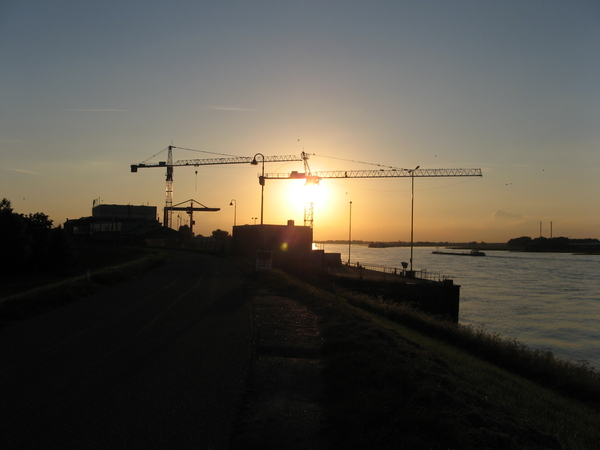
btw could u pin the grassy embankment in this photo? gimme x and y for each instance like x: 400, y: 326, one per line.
x: 27, y: 295
x: 400, y: 379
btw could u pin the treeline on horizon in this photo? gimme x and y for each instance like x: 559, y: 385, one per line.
x: 555, y: 244
x: 32, y: 243
x: 523, y: 243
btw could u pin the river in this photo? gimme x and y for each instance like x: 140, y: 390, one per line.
x: 544, y: 300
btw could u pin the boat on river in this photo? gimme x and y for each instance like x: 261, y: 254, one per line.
x: 378, y: 245
x: 473, y: 252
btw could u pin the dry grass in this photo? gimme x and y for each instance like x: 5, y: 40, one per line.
x: 397, y: 378
x: 27, y: 302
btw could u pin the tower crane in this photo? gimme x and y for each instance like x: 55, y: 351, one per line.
x: 390, y: 172
x: 169, y: 164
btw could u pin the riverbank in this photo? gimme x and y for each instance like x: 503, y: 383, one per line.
x: 545, y: 300
x: 392, y: 375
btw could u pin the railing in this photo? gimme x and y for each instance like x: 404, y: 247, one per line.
x: 422, y: 274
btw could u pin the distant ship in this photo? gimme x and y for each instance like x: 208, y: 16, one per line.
x: 378, y: 245
x: 473, y: 252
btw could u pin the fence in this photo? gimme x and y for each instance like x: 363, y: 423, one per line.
x: 422, y: 274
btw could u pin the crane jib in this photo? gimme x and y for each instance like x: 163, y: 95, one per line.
x: 214, y: 161
x: 393, y: 173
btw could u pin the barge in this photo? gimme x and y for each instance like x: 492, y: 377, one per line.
x: 473, y: 252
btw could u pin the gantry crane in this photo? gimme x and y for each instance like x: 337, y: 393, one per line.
x: 169, y: 164
x: 190, y: 209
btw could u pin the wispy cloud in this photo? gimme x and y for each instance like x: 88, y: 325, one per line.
x: 228, y: 108
x: 23, y: 171
x: 506, y: 216
x: 94, y: 110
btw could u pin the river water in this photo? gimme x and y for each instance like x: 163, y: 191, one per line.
x: 544, y: 300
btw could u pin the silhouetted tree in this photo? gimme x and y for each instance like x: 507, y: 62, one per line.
x: 185, y: 231
x: 38, y: 226
x: 15, y: 244
x: 59, y: 250
x: 519, y: 243
x: 5, y: 206
x: 220, y: 234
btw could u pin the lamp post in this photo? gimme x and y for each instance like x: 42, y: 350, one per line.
x: 350, y: 234
x: 412, y: 213
x: 261, y: 180
x: 254, y: 218
x: 234, y: 204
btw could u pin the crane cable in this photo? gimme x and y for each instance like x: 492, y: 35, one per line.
x: 191, y: 150
x: 211, y: 153
x: 359, y: 162
x: 148, y: 159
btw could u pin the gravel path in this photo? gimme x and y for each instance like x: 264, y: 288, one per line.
x: 283, y: 405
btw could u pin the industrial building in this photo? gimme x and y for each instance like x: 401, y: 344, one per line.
x: 118, y: 223
x: 275, y: 245
x: 282, y: 245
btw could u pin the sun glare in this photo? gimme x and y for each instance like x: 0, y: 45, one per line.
x: 299, y: 194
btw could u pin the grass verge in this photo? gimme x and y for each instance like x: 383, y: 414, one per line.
x: 397, y: 378
x: 32, y: 302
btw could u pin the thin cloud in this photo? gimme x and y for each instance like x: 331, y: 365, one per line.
x: 229, y: 108
x: 94, y: 110
x: 506, y: 216
x: 23, y: 171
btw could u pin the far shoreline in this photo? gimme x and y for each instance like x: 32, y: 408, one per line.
x: 587, y: 246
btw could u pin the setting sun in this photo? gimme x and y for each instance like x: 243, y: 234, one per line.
x: 299, y: 193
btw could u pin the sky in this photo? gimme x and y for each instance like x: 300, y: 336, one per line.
x: 88, y: 88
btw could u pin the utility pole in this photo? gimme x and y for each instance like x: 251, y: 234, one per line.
x: 412, y: 213
x: 350, y: 234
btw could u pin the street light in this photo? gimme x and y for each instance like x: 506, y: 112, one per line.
x: 234, y: 204
x: 350, y: 234
x: 412, y: 213
x: 261, y: 180
x: 254, y: 218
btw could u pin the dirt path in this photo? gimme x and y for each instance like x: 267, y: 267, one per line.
x: 283, y: 405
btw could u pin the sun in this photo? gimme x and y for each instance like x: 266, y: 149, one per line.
x: 299, y: 193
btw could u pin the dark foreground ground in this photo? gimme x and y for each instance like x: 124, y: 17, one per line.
x: 283, y: 406
x: 193, y: 355
x: 182, y: 357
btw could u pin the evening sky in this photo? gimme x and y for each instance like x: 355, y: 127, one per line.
x: 512, y: 87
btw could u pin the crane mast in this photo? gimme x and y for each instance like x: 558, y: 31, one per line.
x: 169, y: 165
x: 168, y: 212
